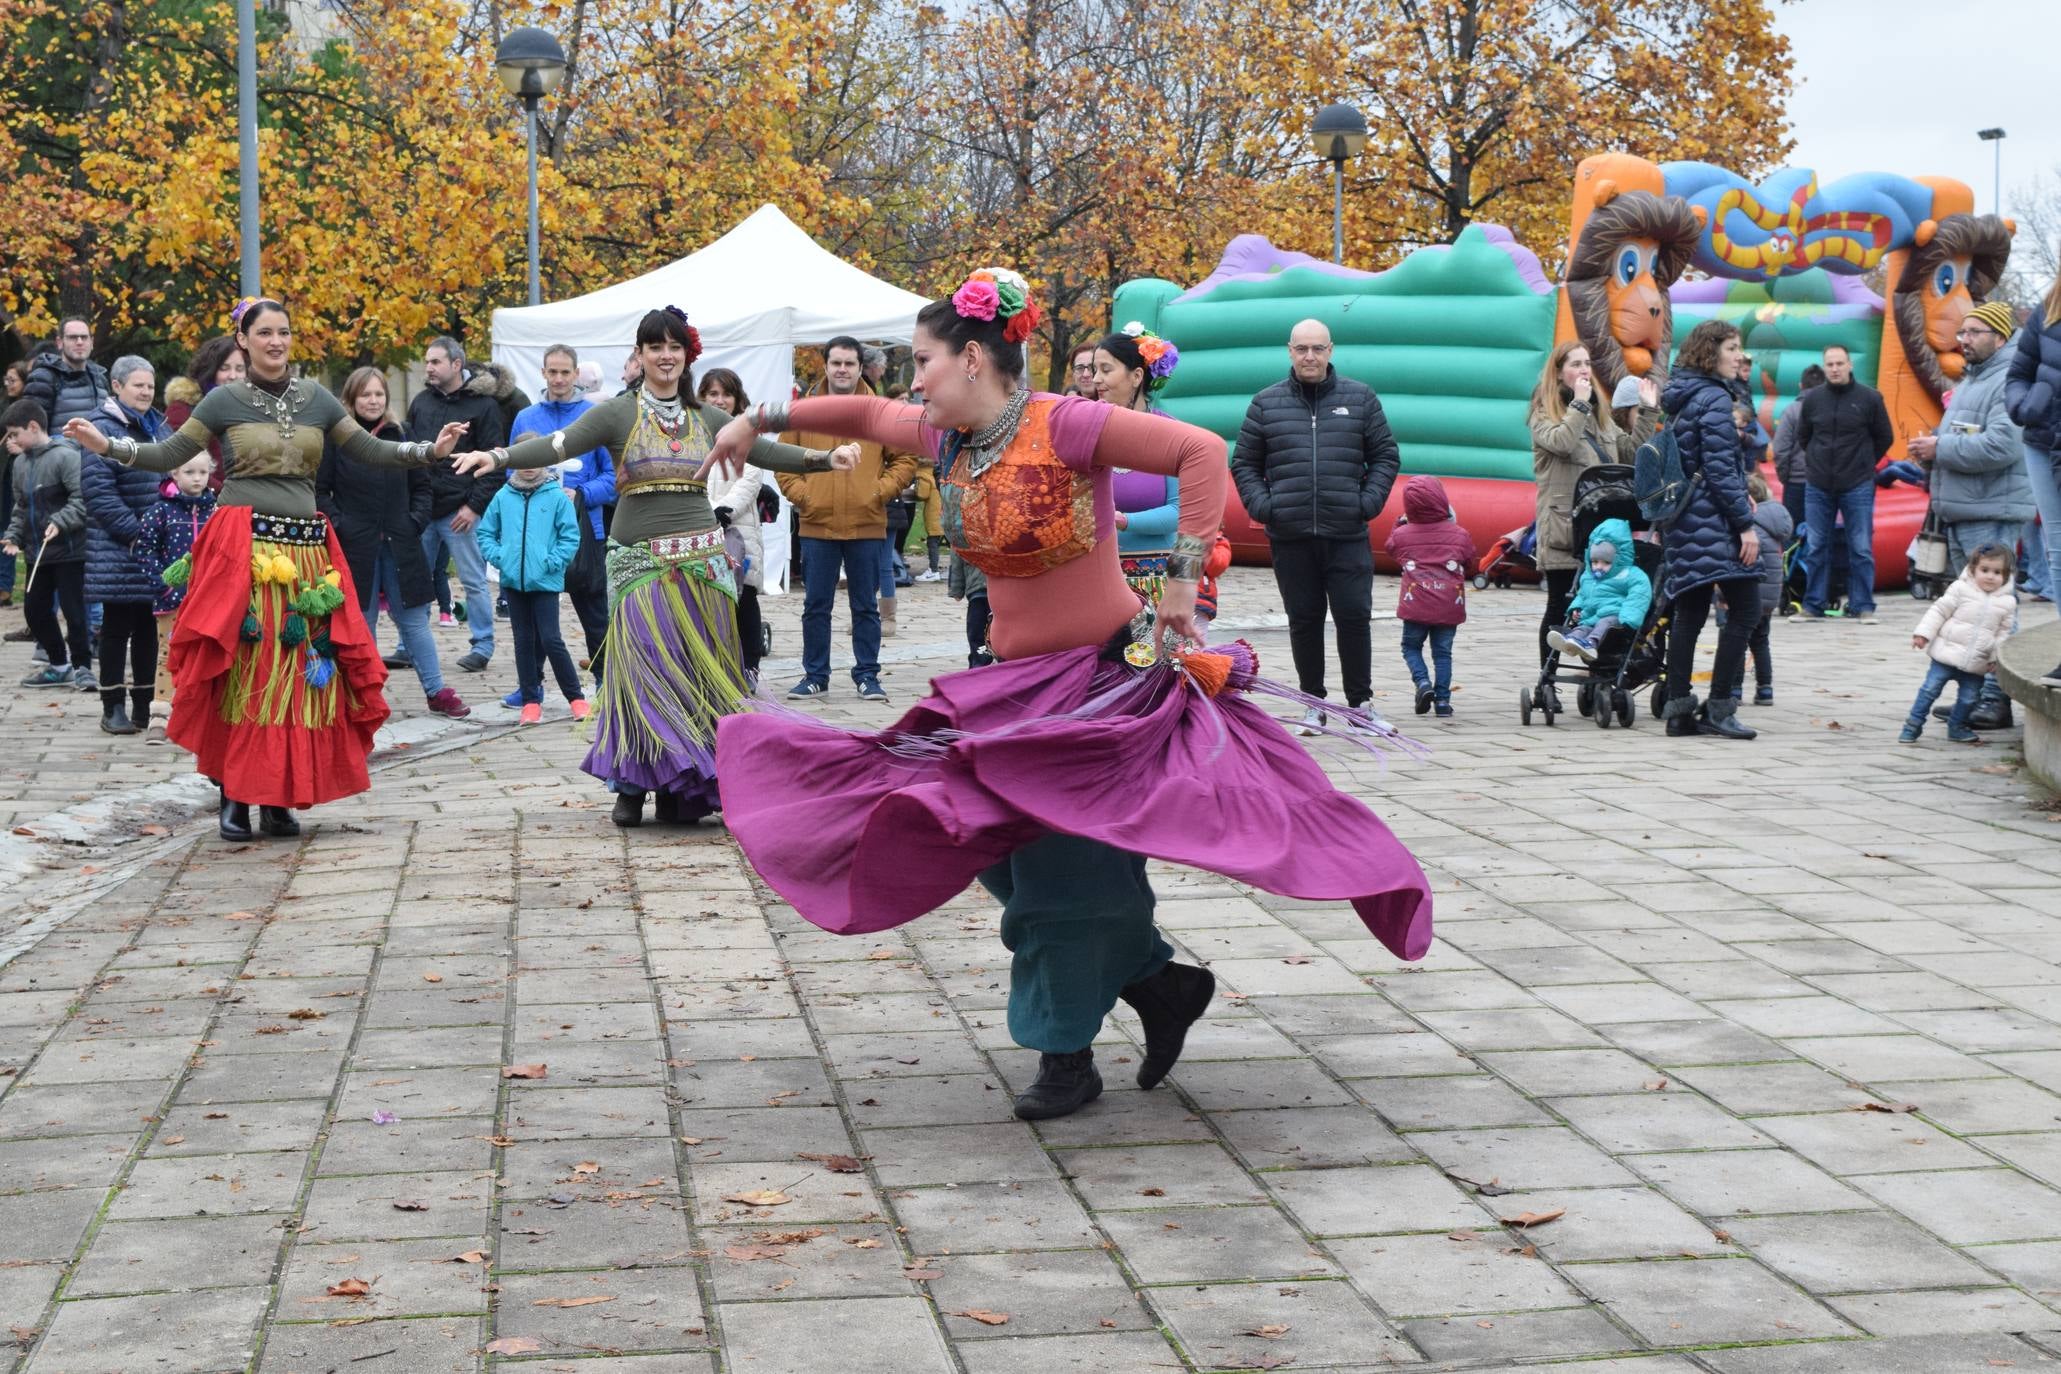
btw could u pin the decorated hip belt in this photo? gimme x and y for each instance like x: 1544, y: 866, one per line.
x: 678, y: 548
x: 1134, y: 643
x: 700, y: 555
x: 290, y: 529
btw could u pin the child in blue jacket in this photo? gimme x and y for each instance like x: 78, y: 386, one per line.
x: 530, y: 534
x: 1612, y: 591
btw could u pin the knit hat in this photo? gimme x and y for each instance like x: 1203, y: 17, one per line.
x: 1997, y: 316
x: 1627, y: 393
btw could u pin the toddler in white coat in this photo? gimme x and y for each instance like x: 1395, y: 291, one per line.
x: 1962, y: 632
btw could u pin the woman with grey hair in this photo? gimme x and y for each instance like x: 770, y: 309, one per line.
x: 116, y: 498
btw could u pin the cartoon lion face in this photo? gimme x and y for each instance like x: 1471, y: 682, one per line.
x: 1949, y: 273
x: 1631, y: 249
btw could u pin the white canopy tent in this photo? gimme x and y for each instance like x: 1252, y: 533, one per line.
x: 754, y: 295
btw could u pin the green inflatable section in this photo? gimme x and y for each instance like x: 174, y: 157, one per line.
x: 1451, y: 338
x: 1786, y: 325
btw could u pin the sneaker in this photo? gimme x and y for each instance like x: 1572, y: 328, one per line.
x: 1444, y: 710
x: 83, y: 679
x: 1963, y: 735
x: 1558, y: 642
x: 156, y: 735
x: 933, y: 575
x: 1367, y: 708
x: 447, y: 620
x: 1806, y: 617
x: 398, y: 662
x: 580, y: 709
x: 446, y: 702
x: 39, y: 655
x: 1312, y: 723
x: 474, y: 662
x: 532, y: 712
x: 21, y: 636
x: 871, y: 690
x: 1425, y: 693
x: 1764, y: 696
x: 513, y: 701
x: 1909, y: 734
x: 48, y: 677
x: 1866, y: 617
x: 806, y: 688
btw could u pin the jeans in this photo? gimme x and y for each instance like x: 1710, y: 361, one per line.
x: 418, y: 645
x: 2046, y: 494
x: 1691, y: 609
x: 1963, y: 538
x: 1077, y: 922
x: 1312, y: 573
x: 533, y: 621
x: 1856, y: 507
x: 862, y: 562
x: 1441, y: 637
x: 2038, y: 578
x: 1937, y: 676
x: 128, y: 632
x: 59, y: 587
x: 472, y: 575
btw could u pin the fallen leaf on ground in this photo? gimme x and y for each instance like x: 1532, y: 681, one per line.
x: 305, y: 1014
x: 690, y: 1140
x: 524, y: 1070
x: 836, y: 1164
x: 1891, y: 1108
x: 469, y: 1257
x: 985, y: 1317
x: 409, y: 1204
x: 501, y: 1140
x: 154, y: 830
x: 1534, y: 1218
x: 586, y: 1166
x: 351, y: 1288
x: 515, y: 1345
x: 862, y: 1242
x: 922, y: 1275
x: 572, y: 1302
x: 1493, y: 1188
x: 759, y: 1197
x: 432, y: 977
x: 755, y: 1252
x: 1152, y: 1192
x: 232, y: 916
x: 1297, y: 959
x: 173, y: 1140
x: 1270, y: 1331
x: 1658, y: 1085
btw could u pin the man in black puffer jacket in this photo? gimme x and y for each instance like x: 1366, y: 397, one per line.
x: 1843, y: 430
x: 1314, y: 463
x: 68, y: 384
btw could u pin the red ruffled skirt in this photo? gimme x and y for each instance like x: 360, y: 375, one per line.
x: 277, y: 704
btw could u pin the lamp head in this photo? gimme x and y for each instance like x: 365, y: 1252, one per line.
x: 1989, y: 135
x: 1339, y: 133
x: 529, y: 63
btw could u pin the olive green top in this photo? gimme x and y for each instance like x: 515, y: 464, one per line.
x: 656, y: 490
x: 272, y: 444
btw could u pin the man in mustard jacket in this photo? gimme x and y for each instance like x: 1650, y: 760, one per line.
x: 844, y: 529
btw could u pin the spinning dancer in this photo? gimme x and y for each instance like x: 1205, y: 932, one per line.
x: 277, y: 684
x: 671, y: 664
x: 1055, y: 773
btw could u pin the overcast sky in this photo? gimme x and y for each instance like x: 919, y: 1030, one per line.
x: 1902, y: 86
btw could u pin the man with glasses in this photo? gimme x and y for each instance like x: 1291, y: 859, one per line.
x: 68, y: 384
x: 1314, y: 463
x: 1977, y: 461
x: 1084, y: 379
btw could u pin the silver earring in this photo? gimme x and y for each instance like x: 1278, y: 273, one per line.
x: 972, y: 376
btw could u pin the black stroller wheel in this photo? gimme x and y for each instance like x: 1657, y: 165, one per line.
x: 1600, y: 708
x: 1524, y: 704
x: 1627, y: 709
x: 1480, y: 583
x: 1585, y: 698
x: 1656, y: 705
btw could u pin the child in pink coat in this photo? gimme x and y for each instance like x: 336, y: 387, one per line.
x: 1434, y: 553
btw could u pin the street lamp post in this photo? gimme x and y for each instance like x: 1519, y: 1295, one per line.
x: 1995, y: 138
x: 1340, y: 132
x: 247, y: 139
x: 530, y: 64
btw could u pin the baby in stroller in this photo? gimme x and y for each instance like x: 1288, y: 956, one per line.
x: 1612, y: 591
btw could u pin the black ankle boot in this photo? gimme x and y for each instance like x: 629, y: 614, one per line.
x: 278, y: 822
x: 1722, y: 719
x: 1680, y: 714
x: 115, y: 721
x: 1168, y: 1002
x: 235, y: 818
x: 665, y: 807
x: 629, y: 810
x: 1065, y: 1084
x: 1991, y: 715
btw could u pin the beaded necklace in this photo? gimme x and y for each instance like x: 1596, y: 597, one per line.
x: 280, y: 408
x: 983, y: 446
x: 669, y: 414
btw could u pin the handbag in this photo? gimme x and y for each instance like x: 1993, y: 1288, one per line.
x: 1929, y: 550
x: 588, y: 574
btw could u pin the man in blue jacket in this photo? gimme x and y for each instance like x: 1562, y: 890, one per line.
x: 1314, y: 463
x: 592, y: 484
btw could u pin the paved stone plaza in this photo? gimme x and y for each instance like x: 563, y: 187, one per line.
x: 1765, y: 1039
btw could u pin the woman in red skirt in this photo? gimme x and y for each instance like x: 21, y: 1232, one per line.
x: 277, y: 682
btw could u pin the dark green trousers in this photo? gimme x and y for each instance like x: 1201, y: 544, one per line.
x: 1077, y: 922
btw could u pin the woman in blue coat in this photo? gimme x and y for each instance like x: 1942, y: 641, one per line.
x: 2032, y: 393
x: 116, y: 499
x: 1711, y: 546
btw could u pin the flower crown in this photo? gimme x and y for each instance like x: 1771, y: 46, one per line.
x: 998, y: 293
x: 1160, y: 355
x: 243, y: 307
x: 693, y: 334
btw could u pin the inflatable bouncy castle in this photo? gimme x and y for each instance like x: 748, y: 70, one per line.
x: 1453, y: 337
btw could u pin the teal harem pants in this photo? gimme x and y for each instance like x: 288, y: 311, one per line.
x: 1077, y: 922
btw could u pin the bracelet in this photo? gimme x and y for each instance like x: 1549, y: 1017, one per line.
x: 123, y: 448
x: 500, y: 457
x: 1583, y: 406
x: 1184, y: 564
x: 816, y: 460
x: 772, y: 417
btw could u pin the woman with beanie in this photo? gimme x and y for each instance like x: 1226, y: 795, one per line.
x: 1712, y: 547
x: 1571, y: 430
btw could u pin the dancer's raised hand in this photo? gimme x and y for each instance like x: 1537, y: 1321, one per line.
x: 478, y: 463
x: 85, y: 434
x: 448, y: 437
x: 727, y: 456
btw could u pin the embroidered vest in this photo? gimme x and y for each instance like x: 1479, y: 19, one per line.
x: 650, y: 457
x: 1025, y: 511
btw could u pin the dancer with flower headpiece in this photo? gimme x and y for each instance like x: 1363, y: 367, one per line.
x: 277, y: 683
x: 1090, y: 746
x: 672, y: 664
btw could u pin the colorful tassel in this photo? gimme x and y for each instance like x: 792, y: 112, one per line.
x: 318, y: 598
x: 293, y: 630
x: 318, y: 671
x: 252, y: 631
x: 177, y: 574
x: 319, y: 642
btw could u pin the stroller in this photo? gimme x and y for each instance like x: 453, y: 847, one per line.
x: 1514, y: 554
x: 1627, y: 658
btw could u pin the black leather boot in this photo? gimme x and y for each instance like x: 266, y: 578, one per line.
x: 629, y: 810
x: 1680, y: 715
x: 1065, y: 1084
x: 278, y: 822
x: 1722, y: 719
x: 235, y: 818
x: 1168, y: 1002
x: 115, y: 721
x: 1991, y: 715
x: 665, y: 807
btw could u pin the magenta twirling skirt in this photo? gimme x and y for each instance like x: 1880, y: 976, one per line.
x: 862, y: 832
